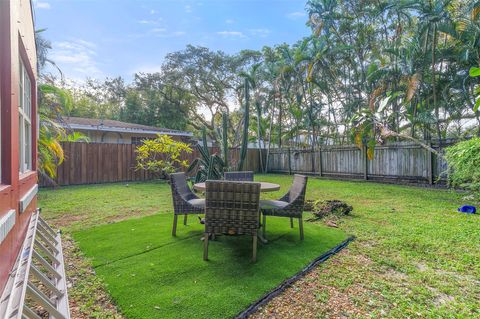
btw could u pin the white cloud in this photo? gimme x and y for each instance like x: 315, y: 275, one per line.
x: 79, y: 56
x: 150, y: 22
x: 152, y: 11
x: 163, y: 33
x: 188, y: 8
x: 157, y: 30
x: 261, y: 32
x: 229, y: 21
x: 235, y: 34
x: 296, y: 15
x: 42, y: 5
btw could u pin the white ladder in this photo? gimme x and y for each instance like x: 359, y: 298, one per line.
x: 38, y: 277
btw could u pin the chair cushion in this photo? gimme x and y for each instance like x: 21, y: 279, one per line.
x: 197, y: 202
x: 272, y: 204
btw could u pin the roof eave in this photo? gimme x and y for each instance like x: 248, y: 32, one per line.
x: 124, y: 130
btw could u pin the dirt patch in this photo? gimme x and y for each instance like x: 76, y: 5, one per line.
x: 310, y: 298
x: 395, y: 275
x: 65, y: 221
x: 442, y: 299
x: 87, y: 295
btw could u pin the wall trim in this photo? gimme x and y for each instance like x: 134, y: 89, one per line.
x: 6, y: 224
x: 124, y: 130
x: 27, y: 198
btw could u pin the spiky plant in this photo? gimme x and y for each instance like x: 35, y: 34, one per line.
x: 209, y: 166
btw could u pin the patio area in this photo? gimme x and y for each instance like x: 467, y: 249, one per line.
x: 413, y: 255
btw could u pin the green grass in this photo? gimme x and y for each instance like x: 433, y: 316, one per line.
x: 80, y: 207
x: 414, y: 257
x: 151, y: 274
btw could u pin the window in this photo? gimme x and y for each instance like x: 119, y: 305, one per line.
x: 24, y: 120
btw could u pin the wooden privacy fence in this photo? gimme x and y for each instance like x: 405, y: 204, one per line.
x: 395, y: 162
x: 92, y: 163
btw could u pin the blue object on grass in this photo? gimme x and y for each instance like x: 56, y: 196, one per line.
x: 468, y: 209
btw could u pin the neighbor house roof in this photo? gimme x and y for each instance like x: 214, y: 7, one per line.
x: 81, y: 123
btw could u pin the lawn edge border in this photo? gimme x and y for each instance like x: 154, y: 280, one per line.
x: 288, y: 282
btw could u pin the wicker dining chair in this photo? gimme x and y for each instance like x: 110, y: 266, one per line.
x: 238, y: 176
x: 232, y: 208
x: 185, y: 202
x: 290, y: 205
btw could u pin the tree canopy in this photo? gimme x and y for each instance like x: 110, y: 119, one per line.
x: 379, y: 69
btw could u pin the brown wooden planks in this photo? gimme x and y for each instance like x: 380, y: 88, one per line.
x: 101, y: 163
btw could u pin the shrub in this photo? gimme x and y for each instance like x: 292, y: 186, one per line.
x: 463, y: 161
x: 161, y: 155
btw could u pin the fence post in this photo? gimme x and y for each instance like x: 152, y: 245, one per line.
x: 313, y: 161
x: 365, y: 162
x: 430, y: 165
x: 289, y: 162
x: 320, y: 162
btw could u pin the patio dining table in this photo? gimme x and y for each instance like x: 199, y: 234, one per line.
x: 264, y: 187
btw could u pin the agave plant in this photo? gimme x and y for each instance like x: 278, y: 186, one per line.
x: 209, y: 166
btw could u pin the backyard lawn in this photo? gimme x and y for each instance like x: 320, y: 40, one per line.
x: 414, y: 255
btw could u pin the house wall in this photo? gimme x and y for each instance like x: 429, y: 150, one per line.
x: 17, y: 192
x: 119, y: 138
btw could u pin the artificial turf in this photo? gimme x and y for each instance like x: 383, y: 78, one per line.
x: 151, y: 274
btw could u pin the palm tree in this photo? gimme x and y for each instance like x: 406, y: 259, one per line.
x: 53, y: 103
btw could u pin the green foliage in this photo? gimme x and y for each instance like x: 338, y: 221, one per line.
x: 161, y: 155
x: 475, y: 72
x: 415, y: 53
x: 53, y: 103
x: 464, y: 162
x: 208, y: 166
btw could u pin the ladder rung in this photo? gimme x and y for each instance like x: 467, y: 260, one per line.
x: 45, y: 232
x: 29, y: 313
x: 47, y: 252
x: 43, y: 300
x: 43, y: 244
x: 47, y: 226
x: 46, y: 281
x: 49, y: 243
x: 46, y: 264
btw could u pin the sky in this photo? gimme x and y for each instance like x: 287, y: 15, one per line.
x: 109, y: 38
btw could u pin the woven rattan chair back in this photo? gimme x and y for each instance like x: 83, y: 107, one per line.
x: 239, y: 176
x: 232, y: 208
x: 298, y: 189
x: 181, y: 194
x: 296, y: 201
x: 180, y: 189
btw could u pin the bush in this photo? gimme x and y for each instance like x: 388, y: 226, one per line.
x: 463, y: 161
x: 161, y: 155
